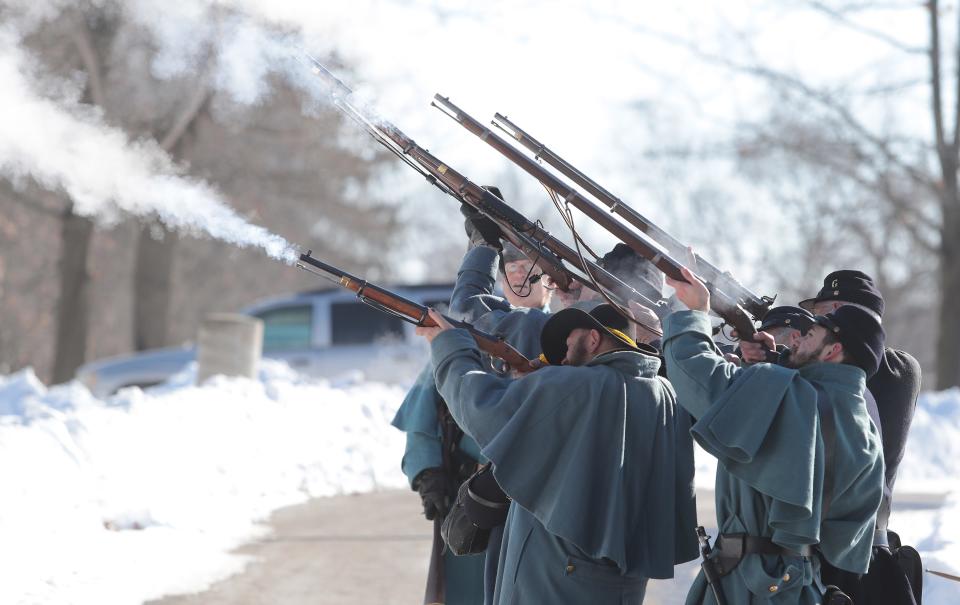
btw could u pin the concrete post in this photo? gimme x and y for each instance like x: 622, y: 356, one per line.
x: 229, y: 344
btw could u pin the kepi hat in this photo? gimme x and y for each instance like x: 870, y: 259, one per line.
x: 860, y: 334
x: 850, y: 286
x: 787, y: 316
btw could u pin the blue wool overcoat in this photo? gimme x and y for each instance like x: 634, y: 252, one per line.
x: 472, y: 301
x: 763, y: 426
x: 598, y: 461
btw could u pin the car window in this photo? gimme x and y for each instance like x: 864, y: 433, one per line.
x: 357, y: 323
x: 287, y: 328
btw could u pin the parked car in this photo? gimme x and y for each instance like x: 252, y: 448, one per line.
x: 328, y: 333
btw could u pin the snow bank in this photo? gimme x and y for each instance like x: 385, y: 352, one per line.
x: 144, y: 494
x: 123, y: 500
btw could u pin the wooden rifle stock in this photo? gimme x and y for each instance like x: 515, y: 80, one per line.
x: 393, y: 304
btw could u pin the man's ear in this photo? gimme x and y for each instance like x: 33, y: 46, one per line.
x: 595, y: 339
x: 833, y: 353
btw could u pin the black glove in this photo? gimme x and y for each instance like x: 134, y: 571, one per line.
x: 480, y: 229
x: 432, y: 484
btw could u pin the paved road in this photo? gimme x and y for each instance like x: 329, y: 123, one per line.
x: 363, y: 549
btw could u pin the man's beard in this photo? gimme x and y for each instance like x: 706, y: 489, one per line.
x: 577, y: 354
x: 797, y: 360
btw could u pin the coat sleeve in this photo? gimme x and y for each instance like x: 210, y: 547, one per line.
x: 473, y: 295
x: 417, y: 417
x: 481, y: 402
x: 696, y: 369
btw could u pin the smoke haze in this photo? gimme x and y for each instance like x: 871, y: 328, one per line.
x: 65, y: 146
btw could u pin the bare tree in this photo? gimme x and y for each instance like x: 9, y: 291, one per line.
x: 125, y: 285
x: 76, y: 231
x: 882, y: 200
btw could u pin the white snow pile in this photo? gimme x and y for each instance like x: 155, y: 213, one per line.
x: 146, y: 493
x: 123, y: 500
x: 931, y: 468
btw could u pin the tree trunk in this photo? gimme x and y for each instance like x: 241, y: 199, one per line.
x: 73, y: 305
x: 948, y: 344
x: 152, y: 287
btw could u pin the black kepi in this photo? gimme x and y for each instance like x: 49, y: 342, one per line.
x: 850, y: 286
x: 859, y: 333
x: 787, y: 316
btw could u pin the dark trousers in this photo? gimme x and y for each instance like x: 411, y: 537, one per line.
x: 490, y: 565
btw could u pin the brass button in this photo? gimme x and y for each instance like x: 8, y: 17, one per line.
x: 774, y: 588
x: 570, y: 568
x: 786, y: 577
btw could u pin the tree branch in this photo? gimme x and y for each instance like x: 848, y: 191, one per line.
x: 955, y: 143
x: 839, y: 16
x: 91, y: 62
x: 934, y: 53
x: 189, y: 114
x: 823, y: 98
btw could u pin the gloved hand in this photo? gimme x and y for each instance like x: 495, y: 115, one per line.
x: 480, y: 229
x: 432, y: 484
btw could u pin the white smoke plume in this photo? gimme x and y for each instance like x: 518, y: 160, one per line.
x: 67, y: 147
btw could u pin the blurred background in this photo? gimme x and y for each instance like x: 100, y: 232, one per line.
x: 782, y: 140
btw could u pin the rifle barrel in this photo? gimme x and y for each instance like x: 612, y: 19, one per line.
x: 640, y: 242
x: 757, y: 305
x: 546, y: 251
x: 393, y: 304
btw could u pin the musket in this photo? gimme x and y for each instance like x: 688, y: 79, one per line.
x: 721, y: 303
x: 390, y: 303
x: 544, y: 250
x: 943, y: 574
x: 754, y: 304
x: 709, y: 571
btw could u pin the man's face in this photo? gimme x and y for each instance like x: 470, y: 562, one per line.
x: 784, y: 335
x: 580, y: 345
x: 810, y: 347
x: 826, y: 306
x: 518, y: 289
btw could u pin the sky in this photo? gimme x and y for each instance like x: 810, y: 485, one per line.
x: 613, y: 86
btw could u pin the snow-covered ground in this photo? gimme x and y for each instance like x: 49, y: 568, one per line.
x: 146, y: 493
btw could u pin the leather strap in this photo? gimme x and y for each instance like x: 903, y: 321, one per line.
x: 733, y: 545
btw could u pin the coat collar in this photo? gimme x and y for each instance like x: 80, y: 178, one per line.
x: 630, y: 363
x: 840, y: 376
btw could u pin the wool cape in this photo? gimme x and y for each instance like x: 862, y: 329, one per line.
x: 763, y: 426
x: 598, y: 461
